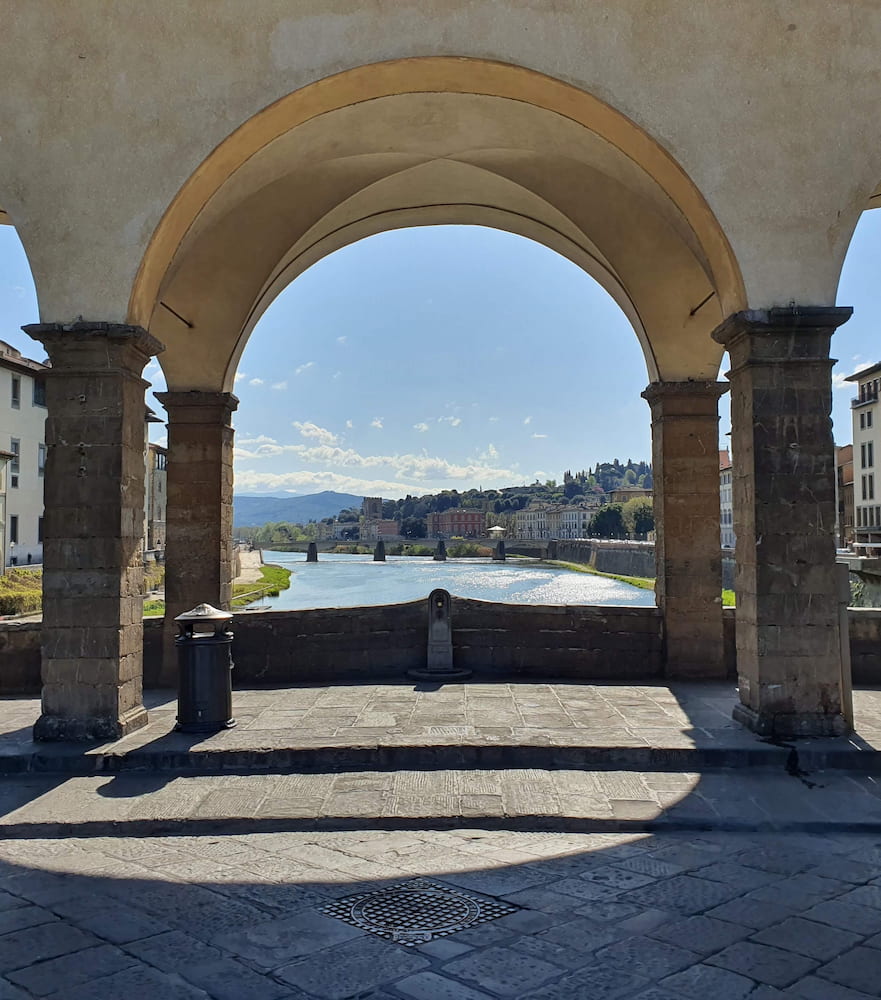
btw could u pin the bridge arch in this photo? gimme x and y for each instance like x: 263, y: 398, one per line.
x: 430, y: 141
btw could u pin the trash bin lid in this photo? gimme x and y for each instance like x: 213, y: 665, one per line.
x: 204, y: 613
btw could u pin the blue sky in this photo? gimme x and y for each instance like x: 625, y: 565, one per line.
x: 447, y: 357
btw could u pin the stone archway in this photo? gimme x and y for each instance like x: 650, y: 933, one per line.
x: 439, y: 141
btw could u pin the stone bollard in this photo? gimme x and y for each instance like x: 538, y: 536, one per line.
x: 379, y: 551
x: 440, y: 553
x: 312, y: 552
x: 439, y: 660
x: 499, y: 551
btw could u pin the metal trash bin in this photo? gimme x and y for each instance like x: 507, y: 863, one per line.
x: 204, y: 658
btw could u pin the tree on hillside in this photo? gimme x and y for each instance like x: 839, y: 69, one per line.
x: 639, y: 516
x: 608, y: 522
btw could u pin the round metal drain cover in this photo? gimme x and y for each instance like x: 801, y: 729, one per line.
x: 416, y: 911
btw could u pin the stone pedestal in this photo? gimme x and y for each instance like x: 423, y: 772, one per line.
x: 688, y: 585
x: 198, y: 519
x: 788, y: 638
x: 93, y: 530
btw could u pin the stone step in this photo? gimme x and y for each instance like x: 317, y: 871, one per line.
x: 175, y: 754
x: 514, y: 799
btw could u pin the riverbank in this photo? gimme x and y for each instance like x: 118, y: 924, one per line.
x: 642, y: 582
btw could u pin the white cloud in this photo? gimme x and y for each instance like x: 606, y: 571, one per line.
x: 527, y: 420
x: 240, y: 376
x: 279, y: 385
x: 303, y: 368
x: 349, y: 424
x: 320, y: 434
x: 491, y: 453
x: 493, y: 420
x: 421, y: 427
x: 256, y: 381
x: 377, y: 423
x: 452, y: 421
x: 336, y: 375
x: 838, y: 379
x: 341, y: 340
x: 538, y: 436
x: 425, y: 470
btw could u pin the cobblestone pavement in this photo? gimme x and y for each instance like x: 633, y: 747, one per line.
x: 598, y: 917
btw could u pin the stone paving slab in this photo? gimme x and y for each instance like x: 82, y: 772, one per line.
x: 385, y: 727
x: 511, y: 799
x: 225, y: 917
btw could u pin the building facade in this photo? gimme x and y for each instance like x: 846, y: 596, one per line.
x: 844, y: 494
x: 866, y: 447
x: 23, y: 434
x: 373, y: 531
x: 155, y: 496
x: 726, y: 500
x: 456, y: 523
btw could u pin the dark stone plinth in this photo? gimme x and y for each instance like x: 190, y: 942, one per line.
x: 789, y: 659
x: 440, y: 553
x: 312, y: 552
x: 379, y: 551
x: 499, y: 551
x: 791, y: 725
x: 98, y: 729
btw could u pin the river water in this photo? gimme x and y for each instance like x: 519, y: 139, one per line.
x: 343, y: 581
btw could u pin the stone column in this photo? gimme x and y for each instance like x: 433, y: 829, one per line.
x: 688, y: 556
x: 198, y: 519
x: 788, y: 639
x: 93, y: 577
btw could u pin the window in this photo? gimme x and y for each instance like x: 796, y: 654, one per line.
x: 40, y: 530
x: 863, y: 487
x: 41, y: 460
x: 871, y: 487
x: 869, y: 419
x: 13, y: 528
x: 16, y: 392
x: 14, y: 463
x: 862, y: 421
x: 863, y: 462
x: 39, y: 392
x: 870, y: 453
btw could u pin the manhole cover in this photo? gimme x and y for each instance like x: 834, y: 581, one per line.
x: 417, y: 911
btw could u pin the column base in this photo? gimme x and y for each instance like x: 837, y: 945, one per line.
x: 97, y: 729
x: 790, y: 725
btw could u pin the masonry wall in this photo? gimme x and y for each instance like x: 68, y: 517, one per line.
x: 525, y: 642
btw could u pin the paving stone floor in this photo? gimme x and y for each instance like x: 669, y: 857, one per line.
x: 681, y: 715
x: 599, y: 917
x: 626, y: 883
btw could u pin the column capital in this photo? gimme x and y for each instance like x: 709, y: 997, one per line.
x: 196, y: 406
x: 94, y: 346
x: 659, y: 392
x: 790, y: 333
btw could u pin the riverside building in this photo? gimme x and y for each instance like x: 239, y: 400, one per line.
x: 22, y: 434
x: 866, y: 447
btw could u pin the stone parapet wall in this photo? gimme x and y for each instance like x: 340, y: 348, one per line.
x: 20, y: 657
x: 620, y: 558
x: 865, y: 645
x: 520, y: 641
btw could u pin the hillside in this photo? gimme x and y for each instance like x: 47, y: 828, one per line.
x: 253, y: 511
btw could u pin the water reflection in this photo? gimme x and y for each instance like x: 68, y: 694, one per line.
x: 345, y: 581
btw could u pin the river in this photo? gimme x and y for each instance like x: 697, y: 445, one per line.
x: 344, y: 581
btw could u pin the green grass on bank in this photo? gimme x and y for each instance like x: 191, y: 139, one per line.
x: 21, y: 591
x: 273, y: 579
x: 643, y: 582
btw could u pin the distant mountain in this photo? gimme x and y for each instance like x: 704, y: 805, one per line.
x: 253, y: 511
